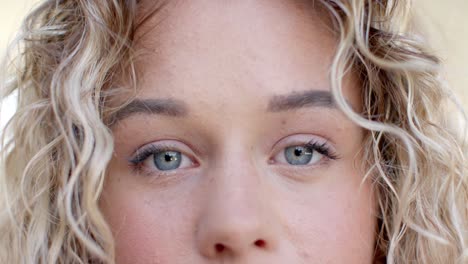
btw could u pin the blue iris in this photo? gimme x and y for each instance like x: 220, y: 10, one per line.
x: 167, y: 160
x: 298, y: 155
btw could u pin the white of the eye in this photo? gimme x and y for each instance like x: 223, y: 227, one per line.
x: 316, y: 157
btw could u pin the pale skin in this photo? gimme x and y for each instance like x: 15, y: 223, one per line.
x: 222, y: 79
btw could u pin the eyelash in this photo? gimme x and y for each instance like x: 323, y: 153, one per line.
x: 321, y: 148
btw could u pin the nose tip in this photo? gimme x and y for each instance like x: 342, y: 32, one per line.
x: 238, y: 243
x: 235, y: 230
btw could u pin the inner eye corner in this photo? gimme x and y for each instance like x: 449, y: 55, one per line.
x: 270, y: 161
x: 195, y: 163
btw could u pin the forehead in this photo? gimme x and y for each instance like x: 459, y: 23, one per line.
x: 226, y: 49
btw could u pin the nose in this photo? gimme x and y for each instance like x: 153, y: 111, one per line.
x: 238, y: 217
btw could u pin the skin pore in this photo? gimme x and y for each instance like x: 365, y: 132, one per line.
x: 233, y: 151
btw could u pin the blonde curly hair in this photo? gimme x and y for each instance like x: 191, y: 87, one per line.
x: 70, y: 55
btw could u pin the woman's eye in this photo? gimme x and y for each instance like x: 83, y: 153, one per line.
x: 160, y: 159
x: 165, y: 160
x: 302, y: 155
x: 311, y: 152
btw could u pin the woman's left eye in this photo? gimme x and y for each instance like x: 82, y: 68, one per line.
x: 301, y: 155
x: 305, y: 155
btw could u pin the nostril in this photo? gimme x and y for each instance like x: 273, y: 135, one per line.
x: 219, y: 247
x: 260, y: 243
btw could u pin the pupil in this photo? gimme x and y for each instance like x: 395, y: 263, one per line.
x: 298, y: 152
x: 169, y: 157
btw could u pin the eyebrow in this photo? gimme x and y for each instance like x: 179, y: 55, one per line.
x: 279, y: 103
x: 165, y: 106
x: 177, y: 108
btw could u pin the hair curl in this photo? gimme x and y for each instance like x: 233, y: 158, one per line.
x: 70, y: 56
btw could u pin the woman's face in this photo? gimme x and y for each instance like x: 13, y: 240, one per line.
x: 233, y: 151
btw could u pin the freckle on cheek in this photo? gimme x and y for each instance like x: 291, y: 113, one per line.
x: 304, y: 255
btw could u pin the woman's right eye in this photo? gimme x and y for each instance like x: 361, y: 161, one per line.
x: 155, y: 159
x: 166, y: 160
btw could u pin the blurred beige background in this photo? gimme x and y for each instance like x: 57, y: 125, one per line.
x: 446, y: 23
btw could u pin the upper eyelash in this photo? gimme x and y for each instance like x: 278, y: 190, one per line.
x: 322, y: 148
x: 142, y: 154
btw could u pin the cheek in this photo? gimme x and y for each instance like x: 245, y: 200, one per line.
x: 335, y: 224
x: 145, y: 231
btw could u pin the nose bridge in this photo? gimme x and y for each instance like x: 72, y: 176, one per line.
x: 235, y: 176
x: 236, y: 209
